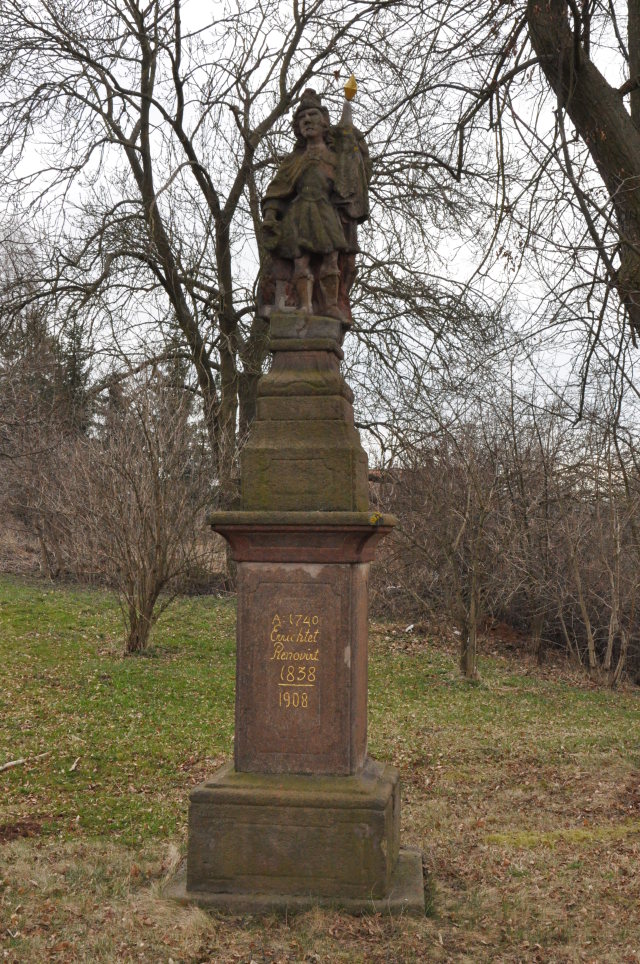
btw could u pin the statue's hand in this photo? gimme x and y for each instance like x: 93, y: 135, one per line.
x: 270, y: 229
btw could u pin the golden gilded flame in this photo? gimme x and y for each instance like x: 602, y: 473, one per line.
x: 350, y: 88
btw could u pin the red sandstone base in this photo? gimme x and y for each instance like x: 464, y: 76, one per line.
x: 405, y: 897
x: 301, y: 683
x: 304, y: 817
x: 259, y: 843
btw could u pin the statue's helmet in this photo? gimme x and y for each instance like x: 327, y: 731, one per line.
x: 309, y: 99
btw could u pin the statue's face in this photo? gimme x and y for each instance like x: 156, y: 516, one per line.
x: 311, y: 122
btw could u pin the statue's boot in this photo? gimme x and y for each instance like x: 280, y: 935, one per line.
x: 304, y: 290
x: 329, y: 285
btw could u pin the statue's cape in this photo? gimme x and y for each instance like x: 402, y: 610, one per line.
x: 353, y: 171
x: 284, y: 183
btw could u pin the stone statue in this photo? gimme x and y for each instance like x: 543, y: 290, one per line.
x: 301, y: 781
x: 311, y: 210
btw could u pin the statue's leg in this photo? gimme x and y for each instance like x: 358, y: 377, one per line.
x: 281, y: 294
x: 303, y: 281
x: 329, y: 283
x: 282, y: 271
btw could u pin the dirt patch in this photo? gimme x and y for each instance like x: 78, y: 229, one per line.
x: 20, y: 828
x: 629, y: 801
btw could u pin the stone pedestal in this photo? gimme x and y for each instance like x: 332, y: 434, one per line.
x: 263, y: 843
x: 301, y: 682
x: 304, y: 452
x: 251, y: 833
x: 303, y: 816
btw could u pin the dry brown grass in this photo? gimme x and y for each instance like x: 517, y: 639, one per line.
x: 514, y: 900
x: 523, y: 793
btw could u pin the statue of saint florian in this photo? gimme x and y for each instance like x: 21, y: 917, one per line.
x: 311, y: 210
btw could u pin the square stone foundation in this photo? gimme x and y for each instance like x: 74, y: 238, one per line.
x: 261, y: 842
x: 324, y: 836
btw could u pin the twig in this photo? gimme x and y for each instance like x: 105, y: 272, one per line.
x: 23, y: 759
x: 12, y: 763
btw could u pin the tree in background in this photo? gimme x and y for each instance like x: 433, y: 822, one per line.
x: 554, y: 87
x: 511, y: 513
x: 135, y: 143
x: 563, y: 37
x: 138, y: 138
x: 442, y: 477
x: 135, y: 498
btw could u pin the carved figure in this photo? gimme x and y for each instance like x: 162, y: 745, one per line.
x: 311, y: 210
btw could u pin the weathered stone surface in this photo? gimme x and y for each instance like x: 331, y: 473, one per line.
x: 328, y: 407
x: 315, y: 472
x: 304, y: 814
x: 311, y: 210
x: 308, y: 345
x: 322, y: 836
x: 311, y: 536
x: 405, y: 897
x: 297, y: 327
x: 301, y: 683
x: 295, y: 383
x: 305, y: 371
x: 304, y: 451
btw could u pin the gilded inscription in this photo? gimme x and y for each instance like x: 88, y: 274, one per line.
x: 293, y: 700
x: 289, y: 632
x: 279, y: 652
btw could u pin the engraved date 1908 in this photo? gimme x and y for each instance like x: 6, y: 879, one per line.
x: 293, y: 700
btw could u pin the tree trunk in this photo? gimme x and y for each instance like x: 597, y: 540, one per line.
x: 621, y: 664
x: 140, y: 625
x: 611, y: 635
x: 228, y: 351
x: 537, y: 625
x: 571, y: 650
x: 584, y: 612
x: 622, y: 659
x: 469, y: 638
x: 599, y: 115
x: 46, y: 565
x: 633, y: 45
x: 253, y: 357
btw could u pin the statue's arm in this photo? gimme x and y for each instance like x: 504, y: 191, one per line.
x: 353, y: 172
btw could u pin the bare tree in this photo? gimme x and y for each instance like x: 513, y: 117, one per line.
x: 137, y: 140
x: 562, y: 36
x: 512, y: 512
x: 442, y: 480
x: 135, y: 498
x: 551, y: 90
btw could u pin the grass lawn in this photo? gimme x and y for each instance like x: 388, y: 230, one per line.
x: 523, y: 792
